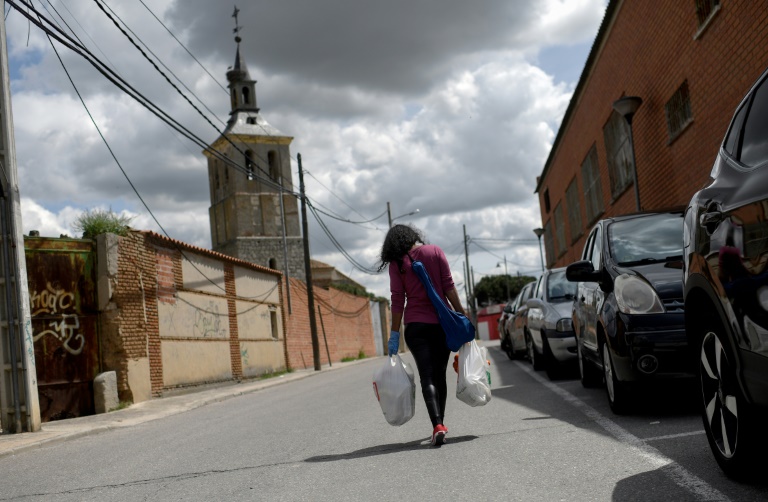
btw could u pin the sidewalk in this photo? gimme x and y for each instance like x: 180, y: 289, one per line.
x: 63, y: 430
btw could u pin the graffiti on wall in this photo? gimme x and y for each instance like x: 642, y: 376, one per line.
x: 55, y: 302
x: 207, y: 321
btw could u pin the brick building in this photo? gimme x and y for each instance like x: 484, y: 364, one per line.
x: 691, y: 62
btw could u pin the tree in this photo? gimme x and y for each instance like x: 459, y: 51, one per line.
x: 100, y: 221
x: 492, y: 289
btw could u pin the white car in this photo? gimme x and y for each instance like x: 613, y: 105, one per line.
x: 550, y: 339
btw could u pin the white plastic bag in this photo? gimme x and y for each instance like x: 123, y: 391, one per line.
x: 395, y: 390
x: 474, y: 382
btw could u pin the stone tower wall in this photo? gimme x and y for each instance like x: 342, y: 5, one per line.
x: 260, y: 250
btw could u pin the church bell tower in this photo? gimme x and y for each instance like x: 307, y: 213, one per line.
x: 251, y: 217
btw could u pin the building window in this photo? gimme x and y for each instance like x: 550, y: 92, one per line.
x: 546, y: 200
x: 619, y: 153
x: 249, y: 165
x: 251, y: 120
x: 272, y: 263
x: 274, y: 168
x: 273, y: 323
x: 705, y: 9
x: 246, y: 96
x: 549, y: 246
x: 574, y: 209
x: 593, y: 189
x: 678, y: 110
x: 559, y: 229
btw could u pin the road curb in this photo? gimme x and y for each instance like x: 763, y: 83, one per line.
x: 147, y: 411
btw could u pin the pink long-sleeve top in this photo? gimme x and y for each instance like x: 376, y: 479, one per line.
x: 408, y: 286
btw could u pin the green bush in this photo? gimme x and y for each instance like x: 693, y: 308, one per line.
x: 100, y: 221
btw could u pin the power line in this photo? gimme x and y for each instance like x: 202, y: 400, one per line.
x: 121, y: 84
x: 125, y: 174
x: 164, y: 65
x: 175, y: 87
x: 339, y: 247
x: 183, y: 46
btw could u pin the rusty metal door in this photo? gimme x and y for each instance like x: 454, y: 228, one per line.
x: 62, y: 295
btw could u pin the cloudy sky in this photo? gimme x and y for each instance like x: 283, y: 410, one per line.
x: 445, y: 106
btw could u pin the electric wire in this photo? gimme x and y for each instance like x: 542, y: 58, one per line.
x: 125, y: 174
x: 79, y: 48
x: 161, y: 62
x: 121, y: 84
x: 472, y: 241
x: 98, y: 47
x: 350, y: 221
x: 183, y: 46
x: 175, y: 87
x: 339, y: 247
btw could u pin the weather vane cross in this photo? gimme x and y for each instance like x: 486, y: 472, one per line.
x: 237, y: 25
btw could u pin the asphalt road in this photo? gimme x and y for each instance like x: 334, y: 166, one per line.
x: 324, y: 438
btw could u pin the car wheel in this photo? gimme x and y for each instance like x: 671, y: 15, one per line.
x: 536, y: 361
x: 509, y: 348
x: 618, y: 392
x: 728, y: 420
x: 590, y: 376
x: 550, y: 363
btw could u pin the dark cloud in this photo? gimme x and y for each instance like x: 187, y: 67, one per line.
x: 435, y: 105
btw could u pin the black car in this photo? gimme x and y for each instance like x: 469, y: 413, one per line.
x: 726, y: 289
x: 628, y: 312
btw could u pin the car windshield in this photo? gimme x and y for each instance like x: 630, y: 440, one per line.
x: 654, y: 238
x: 559, y: 288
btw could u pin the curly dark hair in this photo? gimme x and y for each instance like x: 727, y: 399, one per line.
x: 399, y: 240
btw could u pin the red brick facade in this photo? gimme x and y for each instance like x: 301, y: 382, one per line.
x: 649, y: 49
x: 345, y: 318
x: 150, y: 271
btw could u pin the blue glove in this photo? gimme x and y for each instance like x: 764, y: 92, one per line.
x: 394, y: 342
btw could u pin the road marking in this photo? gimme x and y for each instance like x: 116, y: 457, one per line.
x: 674, y: 436
x: 679, y: 474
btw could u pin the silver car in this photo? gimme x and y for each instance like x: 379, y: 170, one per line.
x: 550, y: 338
x: 514, y: 327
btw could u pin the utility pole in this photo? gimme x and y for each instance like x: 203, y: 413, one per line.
x: 19, y: 403
x: 285, y: 247
x: 308, y: 271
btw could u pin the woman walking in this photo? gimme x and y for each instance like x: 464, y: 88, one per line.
x: 423, y: 334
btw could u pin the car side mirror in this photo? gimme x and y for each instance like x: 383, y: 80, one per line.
x: 535, y: 303
x: 508, y: 310
x: 582, y: 271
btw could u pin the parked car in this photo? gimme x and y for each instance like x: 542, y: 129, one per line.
x: 550, y: 340
x: 506, y: 313
x: 726, y: 289
x: 628, y: 313
x: 516, y: 323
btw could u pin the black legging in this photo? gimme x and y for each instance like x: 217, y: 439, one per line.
x: 427, y: 344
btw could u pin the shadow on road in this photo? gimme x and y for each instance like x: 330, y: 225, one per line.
x: 387, y: 448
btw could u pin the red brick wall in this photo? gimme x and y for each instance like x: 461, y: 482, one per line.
x: 648, y: 52
x: 346, y: 319
x: 135, y: 327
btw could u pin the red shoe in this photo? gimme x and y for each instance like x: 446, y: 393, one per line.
x: 438, y: 435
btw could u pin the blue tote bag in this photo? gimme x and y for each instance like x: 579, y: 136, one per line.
x: 458, y: 328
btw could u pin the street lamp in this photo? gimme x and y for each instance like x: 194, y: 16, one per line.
x: 539, y: 232
x: 391, y: 219
x: 506, y: 275
x: 626, y: 107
